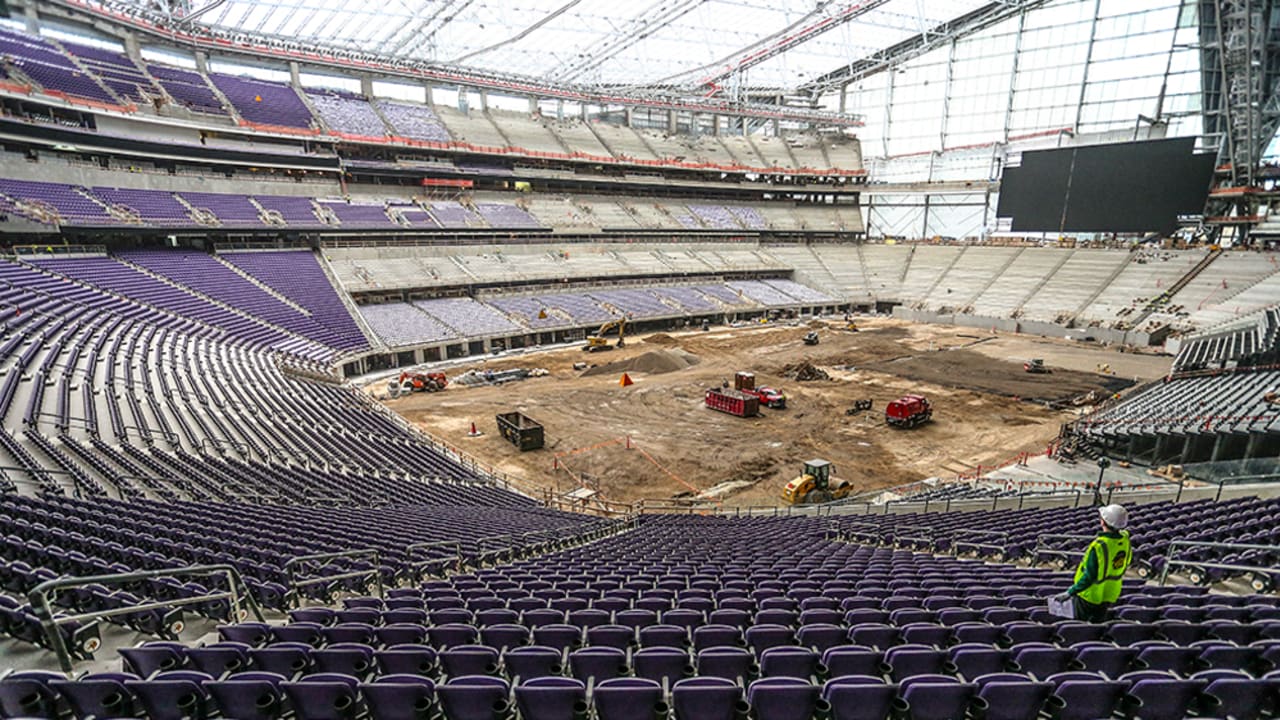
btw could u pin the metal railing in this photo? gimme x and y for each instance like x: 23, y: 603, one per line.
x: 41, y: 598
x: 1170, y: 560
x: 326, y: 560
x: 1065, y: 556
x: 923, y: 536
x: 999, y: 546
x: 434, y: 565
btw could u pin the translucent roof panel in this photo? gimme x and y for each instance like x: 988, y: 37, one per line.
x: 647, y: 42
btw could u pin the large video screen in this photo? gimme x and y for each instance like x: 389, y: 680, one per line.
x: 1125, y: 187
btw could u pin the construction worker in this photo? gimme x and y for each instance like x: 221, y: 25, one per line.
x: 1101, y: 570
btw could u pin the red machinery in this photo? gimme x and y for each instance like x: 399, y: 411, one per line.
x: 745, y: 383
x: 732, y: 402
x: 422, y: 382
x: 908, y: 411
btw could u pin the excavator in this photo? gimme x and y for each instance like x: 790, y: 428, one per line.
x: 597, y: 341
x: 815, y: 486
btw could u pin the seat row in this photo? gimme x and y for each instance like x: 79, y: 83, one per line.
x: 192, y: 695
x: 671, y: 662
x: 742, y: 612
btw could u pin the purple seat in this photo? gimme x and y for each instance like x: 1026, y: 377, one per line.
x: 323, y: 696
x: 1234, y: 694
x: 1008, y: 696
x: 976, y: 632
x: 173, y: 695
x: 904, y: 661
x: 100, y: 695
x: 249, y: 695
x: 845, y: 660
x: 400, y: 634
x: 717, y: 636
x: 924, y: 633
x: 1039, y: 659
x: 1103, y: 657
x: 762, y: 637
x: 820, y: 636
x: 972, y: 660
x: 598, y: 663
x: 219, y: 659
x: 411, y: 659
x: 1084, y: 696
x: 789, y: 661
x: 560, y: 636
x: 935, y: 697
x: 287, y: 659
x: 449, y: 634
x: 399, y: 697
x: 1127, y: 633
x: 1155, y: 694
x: 662, y: 664
x: 707, y: 698
x: 532, y: 661
x: 730, y: 663
x: 783, y: 698
x: 859, y: 697
x: 317, y: 615
x: 1070, y: 632
x: 474, y: 698
x: 150, y: 658
x: 551, y: 698
x: 664, y: 636
x: 876, y: 635
x: 252, y: 634
x: 351, y: 659
x: 30, y: 693
x: 1179, y: 632
x: 629, y: 699
x: 302, y: 632
x: 465, y: 660
x: 506, y: 635
x: 618, y: 636
x: 1161, y: 655
x: 684, y: 617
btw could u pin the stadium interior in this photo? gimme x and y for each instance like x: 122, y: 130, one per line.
x: 895, y: 295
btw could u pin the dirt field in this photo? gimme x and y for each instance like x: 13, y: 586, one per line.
x: 679, y: 447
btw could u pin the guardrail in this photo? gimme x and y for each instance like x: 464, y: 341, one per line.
x: 1170, y: 560
x: 999, y: 548
x: 236, y: 594
x: 923, y: 539
x: 1064, y: 555
x: 326, y: 560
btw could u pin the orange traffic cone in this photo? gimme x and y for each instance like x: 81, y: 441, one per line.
x: 626, y: 380
x: 474, y: 432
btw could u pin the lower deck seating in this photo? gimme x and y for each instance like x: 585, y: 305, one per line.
x: 767, y: 618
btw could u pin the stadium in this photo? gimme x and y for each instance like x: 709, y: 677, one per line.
x: 698, y: 359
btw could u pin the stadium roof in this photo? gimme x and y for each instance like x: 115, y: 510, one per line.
x: 682, y: 43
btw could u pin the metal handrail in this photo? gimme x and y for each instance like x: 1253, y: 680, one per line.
x: 1169, y: 559
x: 419, y: 548
x: 925, y: 534
x: 295, y: 584
x: 41, y: 595
x: 1042, y: 549
x: 1001, y: 535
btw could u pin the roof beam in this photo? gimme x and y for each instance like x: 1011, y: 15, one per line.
x: 637, y: 28
x: 795, y: 34
x: 931, y: 38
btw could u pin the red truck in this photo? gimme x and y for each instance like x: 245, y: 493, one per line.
x: 745, y: 383
x: 908, y: 411
x: 732, y: 402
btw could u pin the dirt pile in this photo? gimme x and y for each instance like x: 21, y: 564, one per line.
x: 661, y: 339
x: 804, y: 372
x: 654, y: 362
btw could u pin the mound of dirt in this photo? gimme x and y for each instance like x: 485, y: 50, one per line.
x: 661, y: 339
x: 654, y: 362
x: 804, y: 372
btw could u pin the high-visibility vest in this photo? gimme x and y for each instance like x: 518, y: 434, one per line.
x: 1114, y: 556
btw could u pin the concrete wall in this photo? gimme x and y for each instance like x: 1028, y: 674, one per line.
x: 1029, y: 327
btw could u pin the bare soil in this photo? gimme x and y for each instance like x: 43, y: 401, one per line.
x: 678, y: 447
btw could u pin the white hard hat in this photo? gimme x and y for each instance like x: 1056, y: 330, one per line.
x: 1115, y: 516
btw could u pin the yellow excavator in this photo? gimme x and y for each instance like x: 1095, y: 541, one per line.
x: 815, y: 486
x: 598, y: 341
